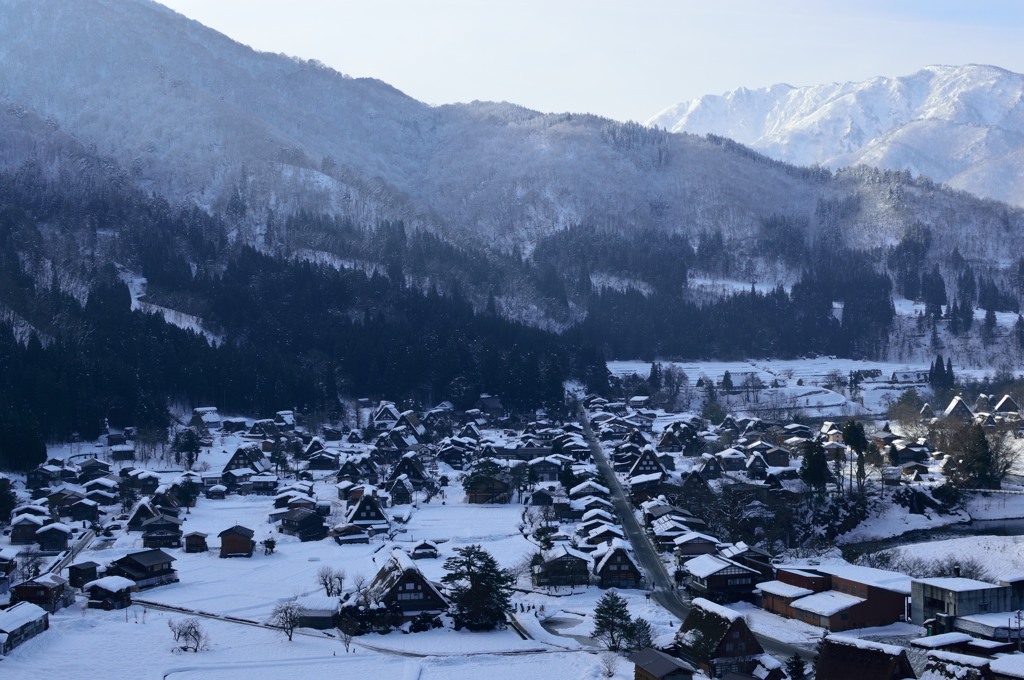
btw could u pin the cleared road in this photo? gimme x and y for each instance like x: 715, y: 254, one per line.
x: 662, y: 584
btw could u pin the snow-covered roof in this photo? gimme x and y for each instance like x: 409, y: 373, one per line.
x: 588, y: 485
x: 730, y: 615
x: 941, y: 640
x: 780, y: 589
x: 695, y: 536
x: 643, y: 479
x: 957, y: 584
x: 19, y: 615
x: 827, y: 603
x: 318, y: 603
x: 56, y: 526
x: 879, y: 578
x: 891, y: 650
x: 113, y: 584
x: 703, y: 566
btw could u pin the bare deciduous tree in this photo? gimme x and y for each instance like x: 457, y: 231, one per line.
x: 609, y: 662
x: 190, y: 634
x: 286, y: 617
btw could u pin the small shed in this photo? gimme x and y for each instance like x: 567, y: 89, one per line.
x: 195, y: 542
x: 110, y: 592
x: 81, y: 573
x: 237, y: 542
x: 424, y: 550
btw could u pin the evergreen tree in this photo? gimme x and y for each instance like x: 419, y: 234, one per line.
x: 186, y: 446
x: 950, y: 378
x: 8, y: 501
x: 814, y: 466
x: 480, y: 590
x: 639, y: 635
x: 796, y: 669
x: 1018, y: 330
x: 612, y: 622
x: 988, y: 327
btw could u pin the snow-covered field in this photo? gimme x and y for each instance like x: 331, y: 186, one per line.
x: 1000, y: 555
x: 801, y: 384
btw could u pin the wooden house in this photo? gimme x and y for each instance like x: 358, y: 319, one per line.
x: 148, y: 568
x: 91, y: 469
x: 19, y: 623
x: 195, y: 542
x: 717, y: 640
x: 1007, y: 406
x: 411, y: 466
x: 205, y: 418
x: 720, y: 579
x: 306, y: 524
x: 237, y: 541
x: 81, y: 573
x: 652, y: 664
x: 49, y: 591
x: 566, y: 567
x: 318, y: 611
x: 401, y: 490
x: 24, y: 528
x: 161, y: 538
x: 837, y: 596
x: 546, y: 468
x: 958, y: 411
x: 615, y: 567
x: 486, y: 489
x: 264, y: 484
x: 401, y: 586
x: 54, y: 537
x: 345, y: 534
x: 424, y: 550
x: 248, y: 457
x: 385, y: 417
x: 846, y: 658
x: 367, y: 512
x: 110, y: 592
x: 85, y: 510
x: 647, y: 463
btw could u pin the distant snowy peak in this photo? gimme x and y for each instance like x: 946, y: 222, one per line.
x: 962, y: 125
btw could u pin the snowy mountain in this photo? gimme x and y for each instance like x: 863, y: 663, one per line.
x: 197, y: 117
x: 960, y: 125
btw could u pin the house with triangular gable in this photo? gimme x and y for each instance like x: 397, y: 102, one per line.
x: 565, y: 567
x: 1007, y: 407
x: 367, y: 513
x: 716, y: 640
x: 958, y: 411
x: 615, y: 567
x: 848, y: 658
x: 647, y: 464
x: 401, y: 586
x: 385, y: 416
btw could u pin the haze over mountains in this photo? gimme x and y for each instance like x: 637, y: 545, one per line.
x: 960, y: 125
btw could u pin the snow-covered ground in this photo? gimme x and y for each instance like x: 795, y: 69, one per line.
x: 1000, y: 555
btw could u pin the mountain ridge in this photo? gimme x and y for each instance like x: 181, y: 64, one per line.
x: 959, y: 125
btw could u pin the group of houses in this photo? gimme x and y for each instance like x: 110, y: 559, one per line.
x: 715, y: 641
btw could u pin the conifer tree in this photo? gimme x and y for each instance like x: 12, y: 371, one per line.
x: 480, y: 590
x: 611, y: 620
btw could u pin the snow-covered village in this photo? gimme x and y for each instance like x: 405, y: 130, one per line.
x: 621, y: 539
x: 454, y: 339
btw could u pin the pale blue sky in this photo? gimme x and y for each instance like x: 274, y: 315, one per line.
x: 624, y: 60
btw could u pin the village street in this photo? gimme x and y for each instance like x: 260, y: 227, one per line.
x: 663, y: 588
